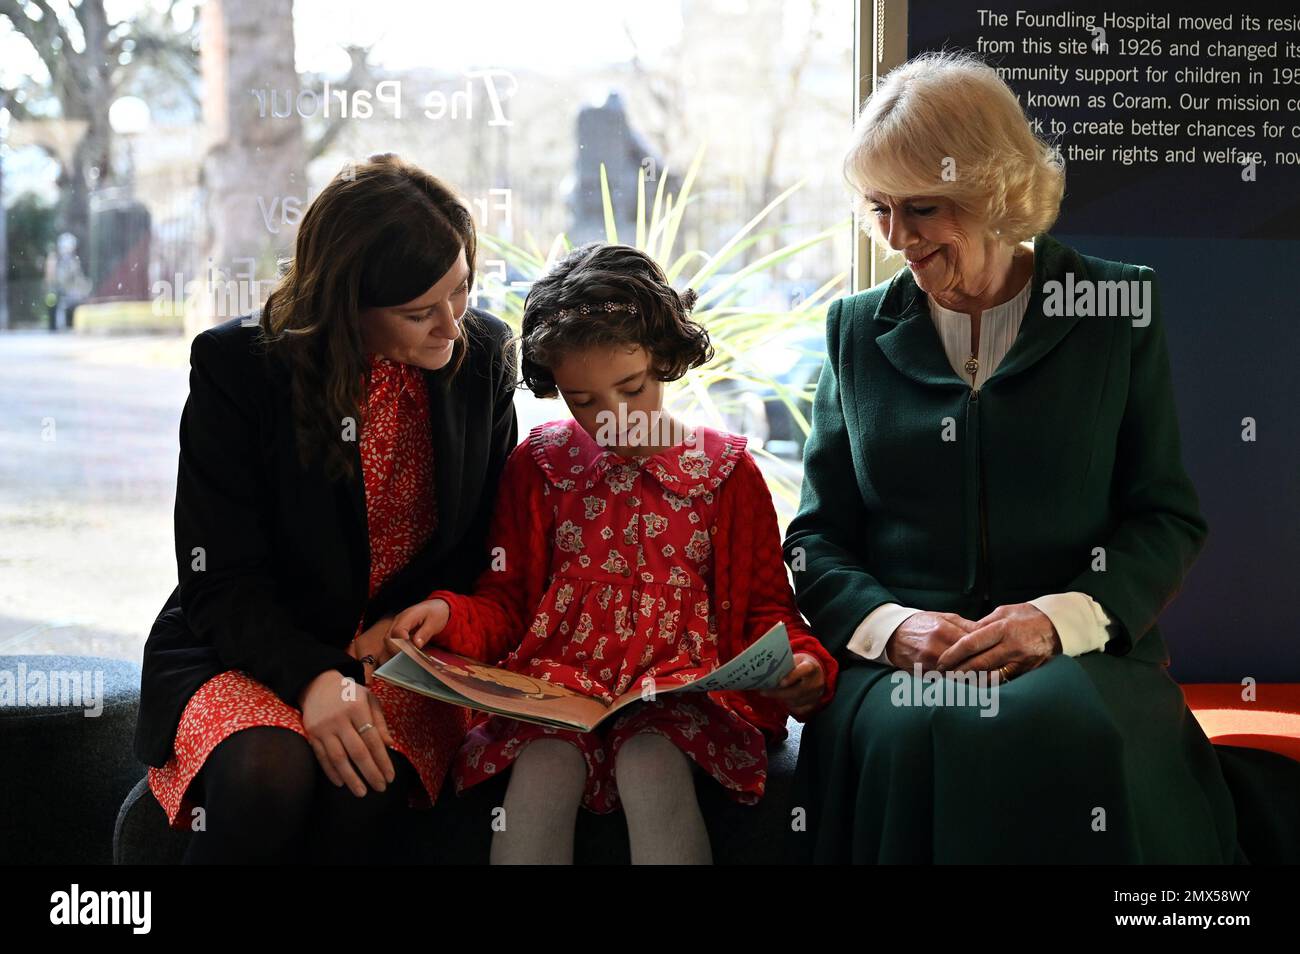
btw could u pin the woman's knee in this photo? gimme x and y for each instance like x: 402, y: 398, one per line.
x: 339, y: 801
x: 264, y: 768
x: 886, y: 728
x: 1078, y: 721
x: 365, y: 830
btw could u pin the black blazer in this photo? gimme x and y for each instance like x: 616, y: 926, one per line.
x: 283, y: 572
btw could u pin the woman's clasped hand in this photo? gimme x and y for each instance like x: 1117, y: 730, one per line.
x: 1018, y: 636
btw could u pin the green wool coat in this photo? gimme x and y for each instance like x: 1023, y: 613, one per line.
x: 1062, y: 473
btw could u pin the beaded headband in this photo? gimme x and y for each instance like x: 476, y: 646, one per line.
x: 587, y: 308
x: 688, y: 299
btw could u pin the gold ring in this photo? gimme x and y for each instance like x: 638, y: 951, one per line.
x: 1006, y: 673
x: 365, y: 728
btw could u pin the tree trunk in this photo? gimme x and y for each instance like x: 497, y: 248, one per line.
x: 255, y: 160
x: 85, y: 91
x: 4, y: 237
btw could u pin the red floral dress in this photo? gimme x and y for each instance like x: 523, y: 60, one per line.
x: 628, y: 598
x: 401, y: 513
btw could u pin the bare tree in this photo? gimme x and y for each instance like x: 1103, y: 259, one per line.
x: 90, y: 59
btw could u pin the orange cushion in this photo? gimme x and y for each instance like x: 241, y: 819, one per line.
x: 1270, y: 721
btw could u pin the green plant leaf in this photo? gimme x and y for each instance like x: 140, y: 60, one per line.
x: 611, y: 227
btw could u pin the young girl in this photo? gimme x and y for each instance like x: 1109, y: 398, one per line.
x: 623, y: 555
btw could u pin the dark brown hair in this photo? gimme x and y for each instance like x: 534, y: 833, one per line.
x: 592, y: 275
x: 381, y: 233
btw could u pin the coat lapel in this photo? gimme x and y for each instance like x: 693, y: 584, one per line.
x: 906, y: 335
x: 358, y: 522
x: 345, y: 498
x: 1039, y: 333
x: 447, y: 424
x: 447, y: 416
x: 909, y: 340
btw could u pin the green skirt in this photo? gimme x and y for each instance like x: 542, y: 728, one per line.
x: 1089, y: 759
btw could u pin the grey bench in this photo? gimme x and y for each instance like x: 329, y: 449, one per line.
x: 457, y: 830
x: 63, y: 773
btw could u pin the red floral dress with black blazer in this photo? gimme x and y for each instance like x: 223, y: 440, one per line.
x: 401, y: 515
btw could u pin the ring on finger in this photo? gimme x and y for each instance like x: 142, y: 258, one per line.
x: 365, y: 728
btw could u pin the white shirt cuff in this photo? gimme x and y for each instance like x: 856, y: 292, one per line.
x: 869, y: 639
x: 1079, y: 620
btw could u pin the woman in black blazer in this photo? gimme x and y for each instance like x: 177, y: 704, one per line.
x: 339, y: 461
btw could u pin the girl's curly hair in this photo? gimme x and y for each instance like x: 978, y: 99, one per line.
x: 592, y: 275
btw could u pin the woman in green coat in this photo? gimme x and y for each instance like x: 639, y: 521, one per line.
x: 994, y: 513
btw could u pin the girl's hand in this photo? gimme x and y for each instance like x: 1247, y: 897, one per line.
x: 346, y: 729
x: 371, y: 647
x: 802, y: 686
x: 421, y: 622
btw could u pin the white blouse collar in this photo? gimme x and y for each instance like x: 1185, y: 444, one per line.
x: 1012, y: 309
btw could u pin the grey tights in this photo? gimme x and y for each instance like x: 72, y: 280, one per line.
x: 655, y: 785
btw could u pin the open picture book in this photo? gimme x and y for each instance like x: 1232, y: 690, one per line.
x: 449, y: 677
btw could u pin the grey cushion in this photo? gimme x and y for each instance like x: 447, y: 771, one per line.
x: 65, y: 772
x: 458, y: 829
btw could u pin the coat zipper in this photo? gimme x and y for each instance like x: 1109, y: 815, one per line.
x: 982, y: 570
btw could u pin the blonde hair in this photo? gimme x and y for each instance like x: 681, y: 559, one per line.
x: 945, y: 124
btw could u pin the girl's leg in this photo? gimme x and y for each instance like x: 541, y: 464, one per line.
x: 541, y: 806
x: 257, y: 788
x: 655, y: 784
x: 359, y: 831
